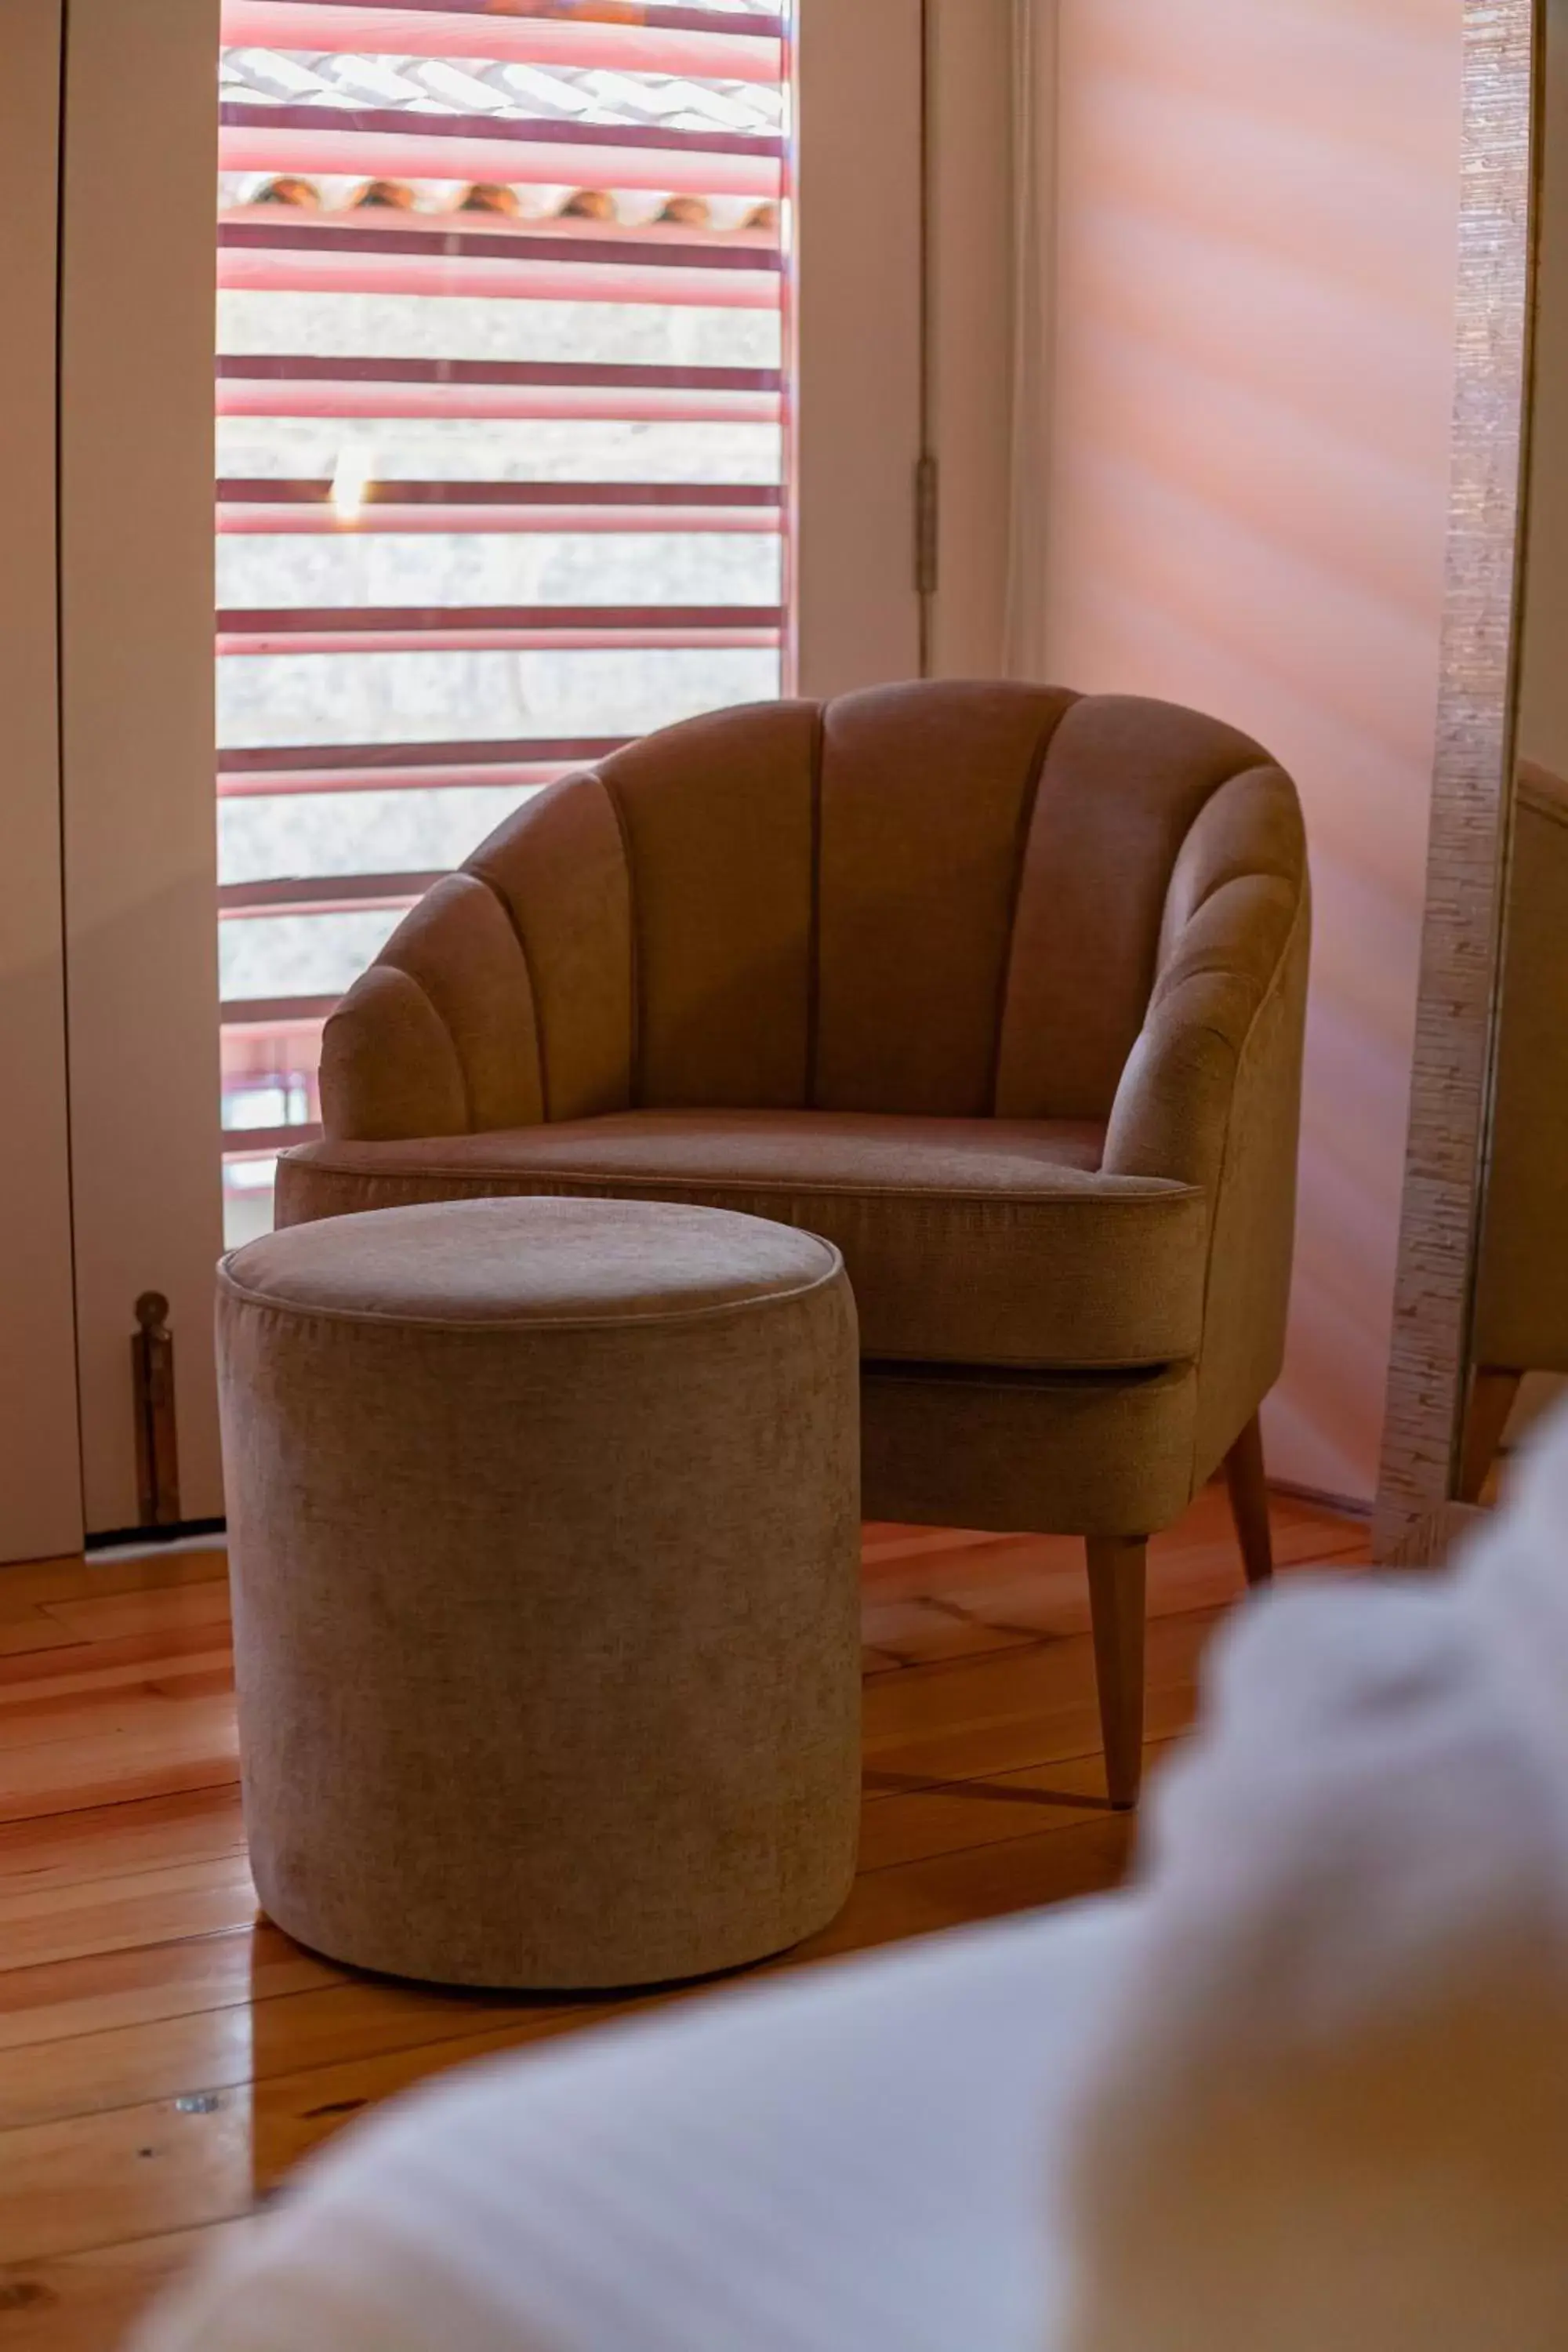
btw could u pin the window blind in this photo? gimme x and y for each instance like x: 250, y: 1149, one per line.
x: 501, y: 463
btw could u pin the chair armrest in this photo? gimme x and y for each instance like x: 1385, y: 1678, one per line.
x: 389, y: 1068
x: 1211, y: 1096
x: 440, y: 1037
x: 1173, y: 1109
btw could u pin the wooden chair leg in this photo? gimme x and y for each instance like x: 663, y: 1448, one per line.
x: 1248, y: 1486
x: 1118, y: 1571
x: 1493, y: 1395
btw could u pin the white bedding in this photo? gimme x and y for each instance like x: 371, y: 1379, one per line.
x: 855, y: 2159
x: 1332, y: 2113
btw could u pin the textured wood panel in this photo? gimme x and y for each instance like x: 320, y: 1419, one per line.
x: 1470, y: 798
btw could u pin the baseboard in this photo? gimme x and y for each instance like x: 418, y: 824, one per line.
x: 1341, y: 1503
x: 189, y: 1535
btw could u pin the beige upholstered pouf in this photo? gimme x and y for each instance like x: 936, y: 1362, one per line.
x: 543, y: 1521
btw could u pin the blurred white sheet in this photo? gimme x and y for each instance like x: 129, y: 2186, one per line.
x: 855, y: 2159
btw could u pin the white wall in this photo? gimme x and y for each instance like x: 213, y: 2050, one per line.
x: 1254, y: 255
x: 40, y: 1473
x: 857, y: 343
x: 859, y: 328
x: 972, y: 264
x: 137, y: 569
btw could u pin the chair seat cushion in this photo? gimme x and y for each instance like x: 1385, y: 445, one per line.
x: 984, y: 1242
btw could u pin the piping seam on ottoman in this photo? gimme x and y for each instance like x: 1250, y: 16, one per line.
x: 470, y: 1325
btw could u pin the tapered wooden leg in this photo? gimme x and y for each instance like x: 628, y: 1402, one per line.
x: 1249, y: 1502
x: 1118, y: 1575
x: 1493, y: 1395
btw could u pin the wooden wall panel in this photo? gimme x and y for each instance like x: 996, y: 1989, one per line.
x: 1471, y: 792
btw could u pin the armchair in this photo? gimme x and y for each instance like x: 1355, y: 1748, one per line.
x: 999, y: 987
x: 1521, y: 1274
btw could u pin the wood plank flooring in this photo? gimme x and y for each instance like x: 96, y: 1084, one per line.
x: 166, y: 2056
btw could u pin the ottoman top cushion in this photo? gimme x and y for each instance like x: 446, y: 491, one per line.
x: 462, y: 1263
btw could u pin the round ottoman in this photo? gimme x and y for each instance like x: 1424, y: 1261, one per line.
x: 543, y: 1530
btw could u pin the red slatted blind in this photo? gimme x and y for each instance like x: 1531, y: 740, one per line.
x: 500, y: 391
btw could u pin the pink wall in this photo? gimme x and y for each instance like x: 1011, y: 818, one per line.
x: 1256, y: 241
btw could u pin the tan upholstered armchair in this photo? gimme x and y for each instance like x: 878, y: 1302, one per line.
x: 998, y: 988
x: 1521, y: 1280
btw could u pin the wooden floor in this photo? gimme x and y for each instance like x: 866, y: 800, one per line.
x: 166, y: 2056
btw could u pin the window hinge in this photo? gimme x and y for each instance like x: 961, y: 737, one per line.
x: 928, y: 497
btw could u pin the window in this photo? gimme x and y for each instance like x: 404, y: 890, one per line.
x: 500, y: 452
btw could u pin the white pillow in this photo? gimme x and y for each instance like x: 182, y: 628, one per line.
x: 1330, y: 2109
